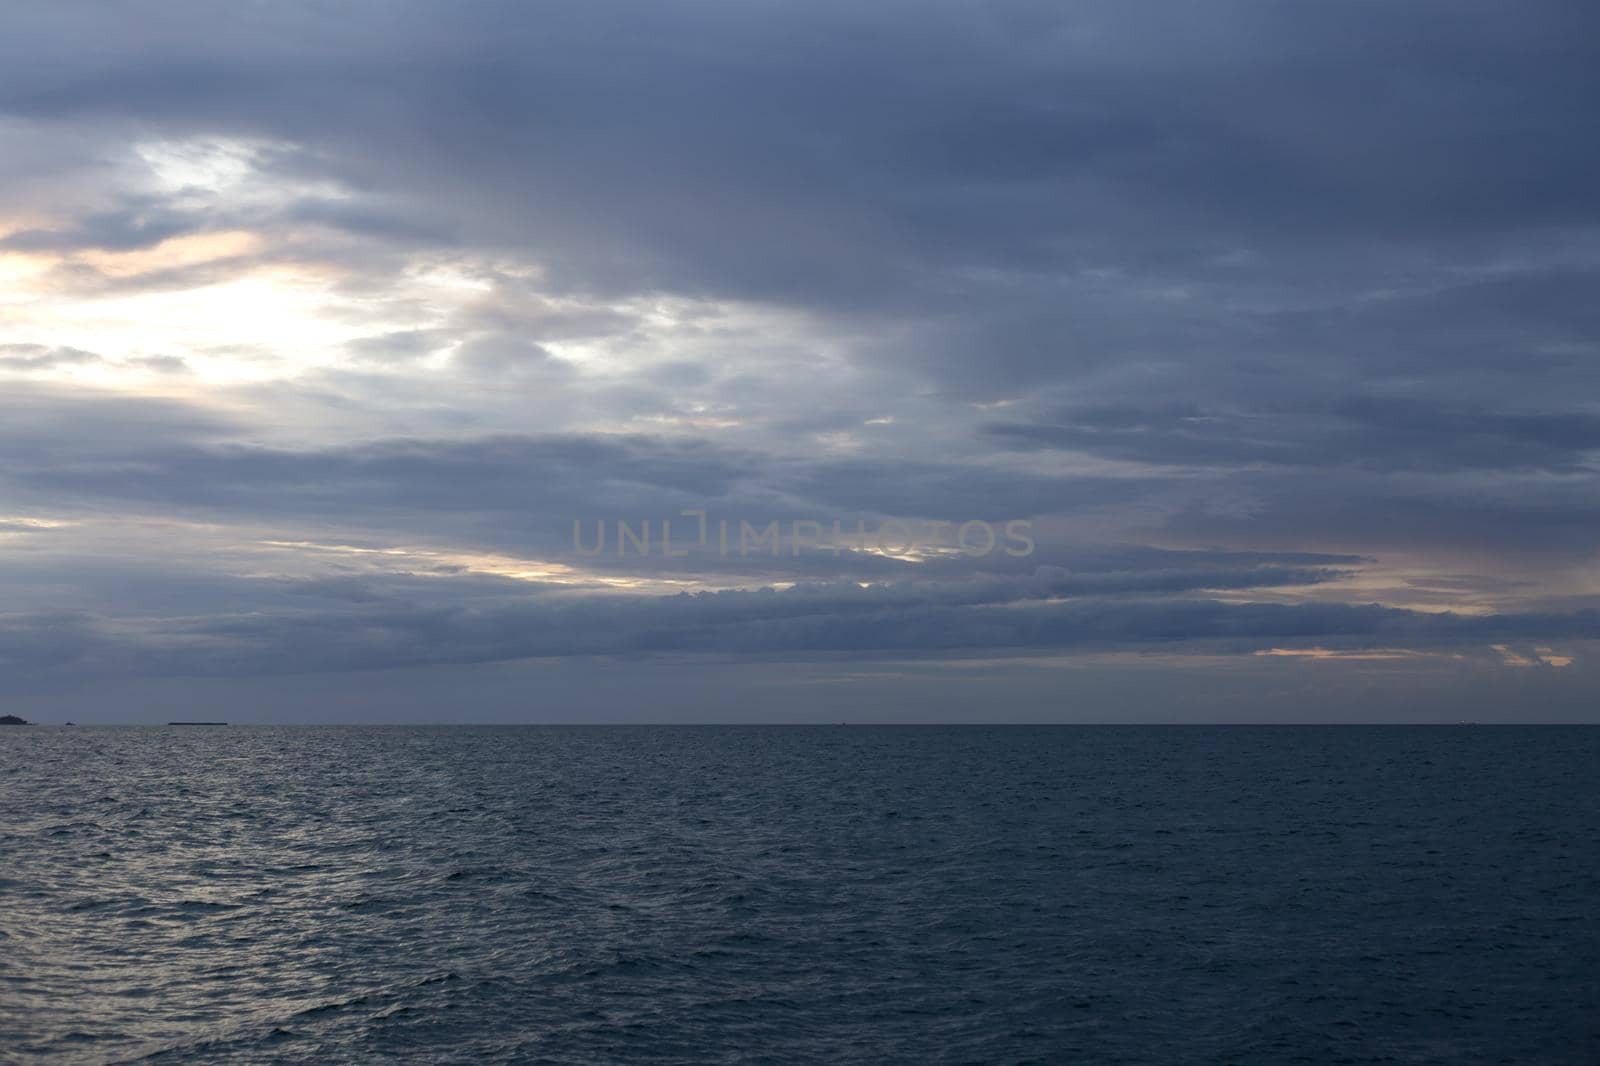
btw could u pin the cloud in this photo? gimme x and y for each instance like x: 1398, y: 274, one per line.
x: 123, y: 230
x: 41, y: 357
x: 367, y: 634
x: 1371, y: 432
x: 398, y: 346
x: 1248, y: 308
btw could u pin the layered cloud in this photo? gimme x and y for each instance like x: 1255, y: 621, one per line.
x: 319, y: 329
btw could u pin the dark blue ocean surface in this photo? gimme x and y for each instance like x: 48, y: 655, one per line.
x: 1256, y: 895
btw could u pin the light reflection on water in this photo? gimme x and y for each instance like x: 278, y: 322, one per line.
x: 802, y: 894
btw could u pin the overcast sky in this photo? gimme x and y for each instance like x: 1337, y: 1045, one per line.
x: 1273, y: 328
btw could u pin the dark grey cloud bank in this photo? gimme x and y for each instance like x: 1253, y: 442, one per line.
x: 823, y: 620
x: 155, y: 616
x: 1226, y: 297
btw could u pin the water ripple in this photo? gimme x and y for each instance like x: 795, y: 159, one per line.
x: 796, y: 895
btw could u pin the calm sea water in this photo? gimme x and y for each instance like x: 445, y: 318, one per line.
x: 1255, y: 895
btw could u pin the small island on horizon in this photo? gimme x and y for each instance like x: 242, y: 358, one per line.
x: 11, y: 719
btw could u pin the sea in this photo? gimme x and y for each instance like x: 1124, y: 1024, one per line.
x: 777, y: 894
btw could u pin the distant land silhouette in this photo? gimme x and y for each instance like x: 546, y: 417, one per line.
x: 11, y: 719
